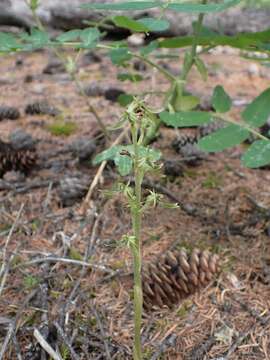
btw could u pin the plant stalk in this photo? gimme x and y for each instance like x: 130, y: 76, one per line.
x: 193, y: 50
x: 136, y: 249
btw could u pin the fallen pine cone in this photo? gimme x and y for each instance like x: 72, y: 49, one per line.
x: 190, y: 136
x: 12, y: 159
x: 176, y: 275
x: 41, y: 108
x: 9, y: 112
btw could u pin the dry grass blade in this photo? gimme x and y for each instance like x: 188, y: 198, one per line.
x: 6, y: 261
x: 100, y: 171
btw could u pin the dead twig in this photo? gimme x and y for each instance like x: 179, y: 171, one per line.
x: 72, y: 295
x: 55, y: 259
x: 62, y: 334
x: 46, y: 346
x: 104, y: 336
x: 100, y: 171
x: 13, y: 325
x: 17, y: 348
x: 5, y: 261
x: 44, y: 290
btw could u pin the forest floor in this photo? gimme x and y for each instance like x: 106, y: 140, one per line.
x: 227, y: 320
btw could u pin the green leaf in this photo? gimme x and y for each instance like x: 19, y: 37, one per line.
x: 221, y: 101
x: 155, y: 24
x: 69, y: 36
x: 115, y: 152
x: 130, y: 24
x: 89, y: 37
x: 152, y: 154
x: 248, y: 41
x: 120, y: 56
x: 130, y: 77
x: 125, y: 99
x: 107, y: 154
x: 224, y: 138
x: 258, y: 154
x: 122, y: 6
x: 124, y: 164
x: 37, y: 39
x: 203, y: 8
x: 8, y: 42
x: 188, y: 102
x: 184, y: 119
x: 146, y: 50
x: 201, y: 68
x: 258, y: 112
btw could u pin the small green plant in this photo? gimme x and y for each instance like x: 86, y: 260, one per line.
x: 61, y: 128
x: 177, y: 108
x: 212, y: 181
x: 30, y: 281
x: 138, y: 160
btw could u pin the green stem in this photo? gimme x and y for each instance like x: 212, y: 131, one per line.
x: 163, y: 71
x: 193, y: 50
x: 136, y: 250
x: 230, y: 120
x: 74, y: 78
x: 166, y: 73
x: 90, y: 106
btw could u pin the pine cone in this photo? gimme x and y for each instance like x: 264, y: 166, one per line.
x: 16, y: 160
x: 9, y: 112
x: 185, y: 136
x: 175, y: 275
x: 73, y: 189
x: 41, y: 108
x: 192, y: 135
x: 192, y: 154
x: 208, y: 129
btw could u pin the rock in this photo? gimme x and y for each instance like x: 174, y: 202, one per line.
x: 67, y: 15
x: 20, y: 140
x: 253, y: 69
x: 136, y: 40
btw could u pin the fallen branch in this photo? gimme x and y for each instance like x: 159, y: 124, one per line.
x: 66, y: 261
x: 46, y: 346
